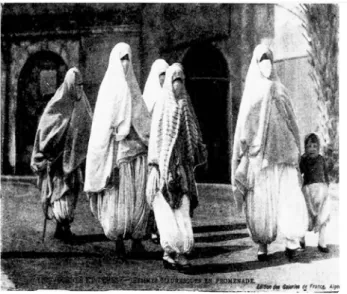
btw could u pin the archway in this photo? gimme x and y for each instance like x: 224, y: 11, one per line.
x: 207, y: 83
x: 41, y: 75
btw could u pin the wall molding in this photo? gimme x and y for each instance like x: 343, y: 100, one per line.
x: 132, y: 29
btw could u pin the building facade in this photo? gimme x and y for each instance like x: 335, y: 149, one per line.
x: 214, y: 42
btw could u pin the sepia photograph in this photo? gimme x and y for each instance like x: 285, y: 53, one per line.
x: 170, y: 146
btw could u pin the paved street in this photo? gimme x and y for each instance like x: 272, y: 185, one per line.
x: 224, y: 258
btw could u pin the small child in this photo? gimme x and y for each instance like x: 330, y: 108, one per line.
x: 315, y: 188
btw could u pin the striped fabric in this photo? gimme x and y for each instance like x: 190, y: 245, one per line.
x: 64, y: 208
x: 122, y: 209
x: 173, y: 118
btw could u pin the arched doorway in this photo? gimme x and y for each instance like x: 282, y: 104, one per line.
x: 207, y: 83
x: 41, y: 75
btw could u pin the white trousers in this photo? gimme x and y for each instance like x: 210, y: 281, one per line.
x: 277, y: 206
x: 174, y: 225
x: 122, y: 210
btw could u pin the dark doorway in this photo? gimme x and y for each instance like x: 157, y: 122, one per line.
x: 207, y: 83
x: 40, y: 77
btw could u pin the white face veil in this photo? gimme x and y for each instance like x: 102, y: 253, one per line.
x: 153, y: 89
x: 256, y: 83
x: 119, y: 105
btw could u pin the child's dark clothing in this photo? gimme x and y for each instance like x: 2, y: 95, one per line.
x: 315, y: 190
x: 314, y: 170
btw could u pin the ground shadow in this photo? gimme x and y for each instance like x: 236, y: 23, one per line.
x: 197, y: 253
x: 220, y: 238
x: 276, y: 259
x: 83, y: 239
x: 219, y: 228
x: 208, y: 252
x: 37, y: 255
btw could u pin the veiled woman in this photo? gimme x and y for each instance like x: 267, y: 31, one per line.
x: 154, y: 84
x: 116, y: 166
x: 175, y: 149
x: 153, y: 92
x: 266, y: 157
x: 60, y: 150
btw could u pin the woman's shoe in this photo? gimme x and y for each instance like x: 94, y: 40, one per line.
x: 168, y: 261
x: 263, y: 257
x: 182, y: 263
x: 303, y: 244
x: 63, y: 233
x: 155, y: 238
x: 69, y: 237
x: 291, y: 253
x: 169, y: 265
x: 184, y: 268
x: 323, y: 249
x: 120, y: 249
x: 262, y: 252
x: 59, y: 232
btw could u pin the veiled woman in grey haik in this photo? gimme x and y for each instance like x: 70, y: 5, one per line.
x: 60, y: 149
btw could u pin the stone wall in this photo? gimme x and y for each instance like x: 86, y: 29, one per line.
x: 3, y: 94
x: 19, y: 52
x: 169, y: 32
x: 96, y: 50
x: 89, y: 52
x: 294, y: 74
x: 152, y: 30
x: 290, y: 52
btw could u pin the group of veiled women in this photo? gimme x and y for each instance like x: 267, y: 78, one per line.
x: 135, y: 156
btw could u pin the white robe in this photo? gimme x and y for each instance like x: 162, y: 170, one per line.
x: 116, y: 168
